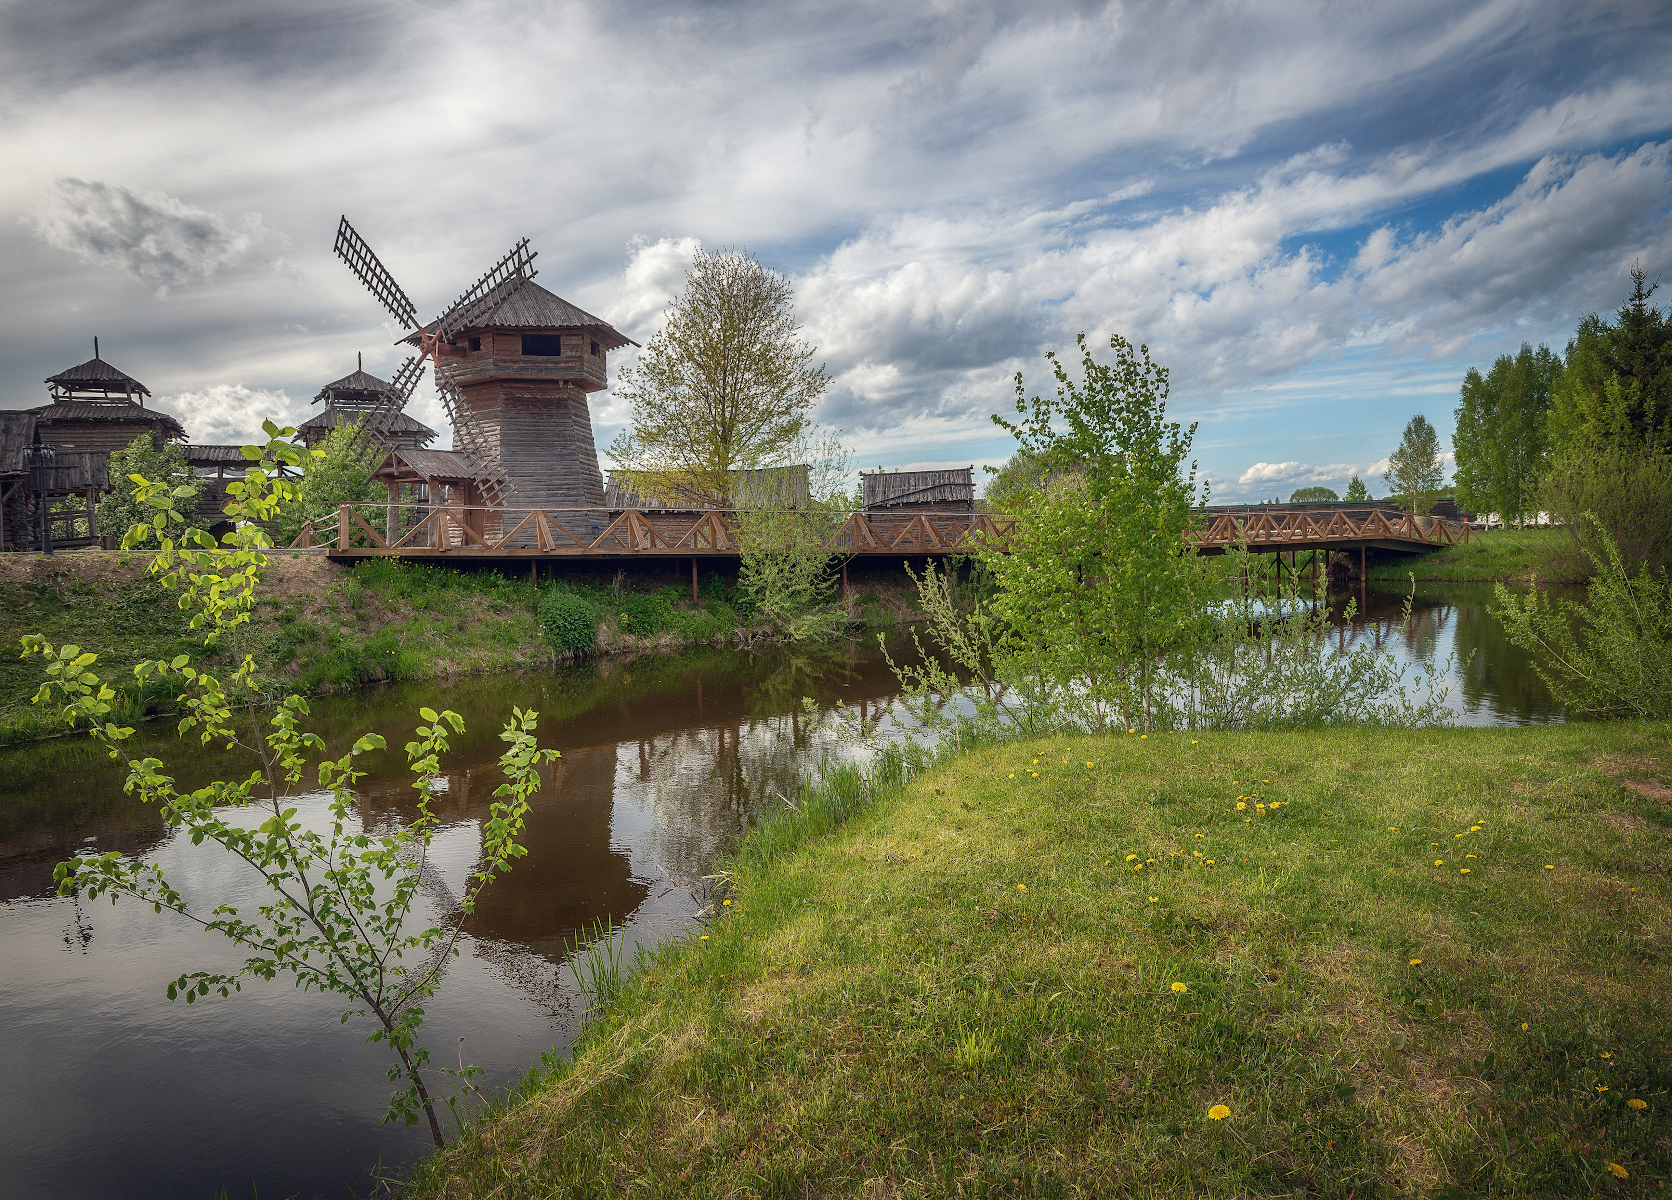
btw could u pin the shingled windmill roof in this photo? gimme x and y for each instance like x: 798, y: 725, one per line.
x: 96, y: 375
x: 533, y: 307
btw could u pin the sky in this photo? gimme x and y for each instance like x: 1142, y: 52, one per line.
x: 1318, y: 216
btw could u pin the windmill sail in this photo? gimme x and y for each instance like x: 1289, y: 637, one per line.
x: 369, y: 270
x: 471, y: 440
x: 375, y: 426
x: 499, y: 284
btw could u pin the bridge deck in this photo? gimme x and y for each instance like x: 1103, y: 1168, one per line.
x: 456, y: 531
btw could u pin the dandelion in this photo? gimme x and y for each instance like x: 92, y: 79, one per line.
x: 1457, y: 835
x: 1462, y: 870
x: 1209, y: 862
x: 1142, y: 736
x: 1107, y: 861
x: 1523, y: 1027
x: 1605, y: 1054
x: 1131, y: 857
x: 1153, y: 899
x: 1549, y: 866
x: 1203, y: 835
x: 1241, y: 806
x: 1193, y: 741
x: 1392, y: 829
x: 1218, y: 1112
x: 1013, y: 775
x: 1474, y: 829
x: 1021, y: 887
x: 1416, y: 962
x: 1601, y: 1090
x: 703, y: 938
x: 1088, y: 764
x: 1618, y: 1172
x: 1180, y: 988
x: 1197, y: 853
x: 1439, y: 862
x: 1137, y: 866
x: 1637, y: 1104
x: 1468, y: 856
x: 725, y: 904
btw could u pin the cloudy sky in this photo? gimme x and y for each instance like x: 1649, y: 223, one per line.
x: 1318, y: 215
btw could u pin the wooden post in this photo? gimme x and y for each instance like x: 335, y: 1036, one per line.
x: 693, y: 579
x: 391, y: 520
x: 534, y: 571
x: 343, y: 520
x: 844, y: 579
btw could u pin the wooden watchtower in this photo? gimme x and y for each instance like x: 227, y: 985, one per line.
x: 525, y: 367
x: 355, y: 397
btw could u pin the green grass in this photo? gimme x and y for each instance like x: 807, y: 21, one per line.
x: 121, y: 620
x: 969, y: 987
x: 1510, y: 555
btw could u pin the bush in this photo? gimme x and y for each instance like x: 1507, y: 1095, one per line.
x: 569, y: 622
x: 1610, y: 656
x: 1618, y: 491
x: 647, y: 616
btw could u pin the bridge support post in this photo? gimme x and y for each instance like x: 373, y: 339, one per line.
x: 693, y: 579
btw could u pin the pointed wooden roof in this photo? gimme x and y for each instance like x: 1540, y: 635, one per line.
x: 533, y: 307
x: 355, y: 381
x: 96, y: 375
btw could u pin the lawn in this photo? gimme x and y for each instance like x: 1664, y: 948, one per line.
x: 1511, y: 555
x: 1404, y: 963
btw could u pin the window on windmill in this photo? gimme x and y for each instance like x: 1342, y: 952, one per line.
x: 594, y: 349
x: 542, y: 345
x: 475, y: 343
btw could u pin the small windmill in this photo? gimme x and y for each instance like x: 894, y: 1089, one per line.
x: 435, y: 343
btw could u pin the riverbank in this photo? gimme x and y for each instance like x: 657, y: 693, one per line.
x: 1491, y: 556
x: 327, y: 628
x: 1400, y: 961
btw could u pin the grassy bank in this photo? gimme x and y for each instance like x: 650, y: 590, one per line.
x: 1406, y: 964
x: 328, y: 628
x: 1508, y: 555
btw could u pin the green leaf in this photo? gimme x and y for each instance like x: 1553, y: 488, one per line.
x: 429, y: 714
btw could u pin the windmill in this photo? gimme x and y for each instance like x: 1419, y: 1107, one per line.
x: 435, y: 342
x: 513, y: 364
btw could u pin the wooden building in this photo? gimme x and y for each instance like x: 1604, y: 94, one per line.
x: 525, y: 368
x: 352, y: 398
x: 97, y: 407
x: 920, y: 491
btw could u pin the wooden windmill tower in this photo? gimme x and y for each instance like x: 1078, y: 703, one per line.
x: 513, y: 365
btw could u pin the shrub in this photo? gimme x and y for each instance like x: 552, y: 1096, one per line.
x: 569, y: 622
x: 647, y: 616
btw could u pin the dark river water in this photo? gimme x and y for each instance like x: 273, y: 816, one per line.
x: 116, y: 1092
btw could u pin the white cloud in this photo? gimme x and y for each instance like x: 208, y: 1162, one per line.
x: 160, y: 240
x: 230, y: 413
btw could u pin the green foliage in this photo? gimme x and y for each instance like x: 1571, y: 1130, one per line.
x: 1314, y: 495
x: 784, y: 578
x: 337, y: 472
x: 569, y: 623
x: 1414, y: 472
x: 726, y: 385
x: 1098, y: 572
x: 645, y: 615
x: 1617, y: 382
x: 1502, y: 433
x: 1617, y: 491
x: 1019, y: 479
x: 1610, y: 656
x: 1356, y: 490
x: 118, y: 509
x: 338, y: 900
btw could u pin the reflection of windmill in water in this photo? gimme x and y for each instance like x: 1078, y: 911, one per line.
x: 513, y: 366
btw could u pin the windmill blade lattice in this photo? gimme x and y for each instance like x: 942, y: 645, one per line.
x: 369, y: 270
x: 380, y: 418
x: 471, y: 440
x: 499, y: 284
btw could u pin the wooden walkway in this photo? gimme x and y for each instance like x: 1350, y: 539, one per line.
x: 455, y: 531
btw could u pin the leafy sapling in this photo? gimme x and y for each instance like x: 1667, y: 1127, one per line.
x: 339, y: 900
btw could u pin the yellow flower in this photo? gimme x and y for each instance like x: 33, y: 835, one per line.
x: 725, y: 904
x: 1439, y: 862
x: 1474, y: 829
x: 1468, y: 856
x: 1131, y: 857
x: 1462, y: 870
x: 1201, y: 835
x: 1013, y: 775
x: 1639, y: 1105
x: 1088, y: 764
x: 1392, y: 829
x: 1607, y: 1055
x: 1523, y: 1027
x: 704, y: 938
x: 1457, y: 835
x: 1153, y: 899
x: 1137, y: 866
x: 1218, y: 1112
x: 1619, y: 1172
x: 1197, y: 853
x: 1106, y: 862
x: 1549, y: 866
x: 1142, y: 736
x: 1021, y: 887
x: 1241, y: 806
x: 1180, y: 988
x: 1416, y: 962
x: 1601, y: 1090
x: 1210, y: 862
x: 1193, y: 741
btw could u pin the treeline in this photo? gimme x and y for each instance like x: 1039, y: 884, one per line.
x: 1585, y: 436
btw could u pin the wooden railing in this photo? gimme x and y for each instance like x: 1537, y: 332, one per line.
x: 591, y: 532
x: 1284, y: 530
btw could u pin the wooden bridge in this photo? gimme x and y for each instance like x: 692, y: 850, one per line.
x: 459, y: 531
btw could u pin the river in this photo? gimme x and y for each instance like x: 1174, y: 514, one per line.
x: 116, y: 1092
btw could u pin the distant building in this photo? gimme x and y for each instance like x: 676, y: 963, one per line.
x: 765, y: 487
x: 352, y: 398
x: 96, y: 407
x: 920, y: 491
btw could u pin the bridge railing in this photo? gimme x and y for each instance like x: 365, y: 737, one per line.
x: 440, y: 528
x: 1264, y: 531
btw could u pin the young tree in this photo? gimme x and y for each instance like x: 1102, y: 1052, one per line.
x: 1098, y: 569
x: 1356, y: 490
x: 336, y: 472
x: 118, y: 510
x: 1502, y: 432
x: 1414, y: 472
x: 727, y: 384
x: 339, y: 894
x: 1313, y: 495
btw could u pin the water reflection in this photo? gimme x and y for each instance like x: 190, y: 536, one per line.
x: 664, y: 762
